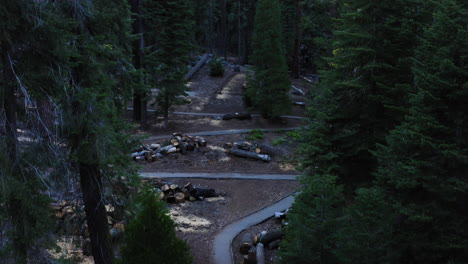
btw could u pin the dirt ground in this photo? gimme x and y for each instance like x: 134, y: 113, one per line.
x: 198, y: 222
x: 213, y: 158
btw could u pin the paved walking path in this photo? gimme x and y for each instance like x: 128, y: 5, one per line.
x: 223, y: 241
x: 217, y: 114
x: 227, y: 132
x: 235, y: 176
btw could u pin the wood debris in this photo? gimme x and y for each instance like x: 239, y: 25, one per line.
x: 178, y: 143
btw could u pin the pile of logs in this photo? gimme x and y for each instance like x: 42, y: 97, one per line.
x: 173, y: 193
x: 250, y: 150
x: 178, y: 143
x: 253, y: 247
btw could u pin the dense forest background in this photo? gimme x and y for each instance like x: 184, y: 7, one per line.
x: 384, y: 148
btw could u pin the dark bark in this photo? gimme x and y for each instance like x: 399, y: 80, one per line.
x: 96, y: 218
x: 9, y: 104
x: 139, y: 101
x: 297, y: 42
x: 270, y: 237
x: 239, y: 34
x: 223, y: 27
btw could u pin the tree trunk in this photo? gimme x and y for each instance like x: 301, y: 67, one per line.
x: 223, y: 34
x: 297, y: 42
x: 9, y: 104
x: 96, y: 218
x: 239, y: 32
x: 139, y: 101
x: 269, y: 237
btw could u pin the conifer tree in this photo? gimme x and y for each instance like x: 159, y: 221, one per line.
x: 423, y: 165
x: 150, y: 237
x: 314, y: 219
x: 25, y: 213
x: 170, y: 34
x: 97, y: 36
x: 268, y: 90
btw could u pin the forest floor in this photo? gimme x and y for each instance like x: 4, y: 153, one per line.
x: 199, y: 221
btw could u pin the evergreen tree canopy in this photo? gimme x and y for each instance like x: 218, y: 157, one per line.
x: 150, y: 237
x: 268, y: 91
x: 423, y: 166
x: 169, y: 33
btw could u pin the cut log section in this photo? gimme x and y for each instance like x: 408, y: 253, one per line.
x: 240, y: 116
x: 266, y: 238
x: 247, y: 154
x: 246, y: 243
x: 260, y: 254
x: 179, y: 197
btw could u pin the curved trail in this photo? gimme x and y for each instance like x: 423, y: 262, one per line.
x: 222, y: 243
x: 223, y: 240
x: 228, y: 132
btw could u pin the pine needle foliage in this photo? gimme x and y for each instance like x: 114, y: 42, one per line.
x: 268, y: 89
x: 150, y: 237
x: 423, y: 165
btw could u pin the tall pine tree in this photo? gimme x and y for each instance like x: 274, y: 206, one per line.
x: 169, y: 34
x: 423, y: 165
x: 268, y: 90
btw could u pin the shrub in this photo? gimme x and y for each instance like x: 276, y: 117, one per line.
x: 150, y: 237
x: 216, y: 67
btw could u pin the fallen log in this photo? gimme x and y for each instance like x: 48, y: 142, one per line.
x: 246, y: 243
x: 266, y: 238
x: 260, y: 254
x: 299, y: 91
x: 267, y: 149
x: 274, y: 244
x: 202, y: 192
x: 247, y: 154
x: 302, y: 104
x: 240, y: 116
x: 195, y: 68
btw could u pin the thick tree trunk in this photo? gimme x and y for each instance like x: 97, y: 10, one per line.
x: 223, y: 38
x: 297, y: 42
x: 239, y: 34
x: 139, y: 101
x: 9, y: 103
x: 96, y: 218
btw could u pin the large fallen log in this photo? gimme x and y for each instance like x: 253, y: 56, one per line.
x: 260, y: 254
x: 240, y: 116
x: 195, y: 68
x: 247, y: 154
x: 266, y: 238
